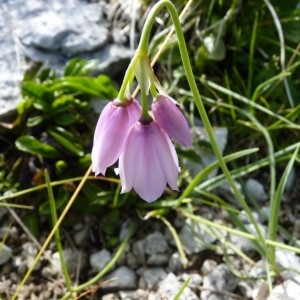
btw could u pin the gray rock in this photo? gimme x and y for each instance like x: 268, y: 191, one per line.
x: 170, y: 286
x: 131, y: 260
x: 51, y: 28
x: 138, y: 249
x: 124, y: 230
x: 245, y: 244
x: 256, y: 190
x: 208, y: 266
x: 46, y: 31
x: 155, y: 243
x: 76, y: 43
x: 124, y: 278
x: 13, y: 232
x: 291, y: 179
x: 54, y: 268
x: 195, y: 279
x: 159, y: 259
x: 226, y: 192
x: 244, y: 218
x: 206, y: 154
x: 99, y: 260
x: 112, y: 59
x: 195, y: 237
x: 153, y: 276
x: 245, y: 287
x: 219, y: 280
x: 258, y: 270
x: 5, y: 254
x: 175, y: 264
x: 81, y: 235
x: 3, y: 211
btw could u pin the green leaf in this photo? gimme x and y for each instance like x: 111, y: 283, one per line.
x: 42, y: 96
x: 62, y: 102
x: 100, y: 86
x: 31, y: 145
x: 33, y: 89
x: 66, y: 139
x: 78, y: 66
x: 33, y: 121
x: 24, y: 105
x: 65, y: 119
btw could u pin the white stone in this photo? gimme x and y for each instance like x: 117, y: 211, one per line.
x: 170, y: 286
x: 289, y: 264
x: 288, y: 290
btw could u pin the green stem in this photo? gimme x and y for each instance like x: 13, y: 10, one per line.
x: 145, y: 114
x: 127, y: 78
x: 57, y: 235
x: 193, y: 86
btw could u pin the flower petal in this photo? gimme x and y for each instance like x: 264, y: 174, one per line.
x: 150, y: 181
x: 166, y: 155
x: 171, y: 120
x: 134, y: 111
x: 113, y: 125
x: 108, y: 140
x: 129, y: 158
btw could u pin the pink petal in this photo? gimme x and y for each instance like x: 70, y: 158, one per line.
x: 134, y: 111
x: 167, y: 156
x: 111, y: 130
x: 150, y: 181
x: 148, y: 162
x: 129, y: 158
x: 171, y: 120
x: 108, y: 140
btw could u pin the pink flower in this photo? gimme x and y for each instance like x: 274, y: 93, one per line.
x: 148, y: 161
x: 171, y: 120
x: 113, y: 125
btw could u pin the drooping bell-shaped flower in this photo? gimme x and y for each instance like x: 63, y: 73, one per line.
x: 171, y: 120
x: 113, y: 125
x: 148, y: 161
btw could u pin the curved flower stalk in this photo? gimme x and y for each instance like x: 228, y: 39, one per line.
x: 171, y: 120
x: 148, y: 161
x: 113, y: 125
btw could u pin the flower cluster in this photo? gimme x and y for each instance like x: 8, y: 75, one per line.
x: 147, y: 157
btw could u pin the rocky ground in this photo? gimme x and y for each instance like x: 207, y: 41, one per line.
x: 150, y: 267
